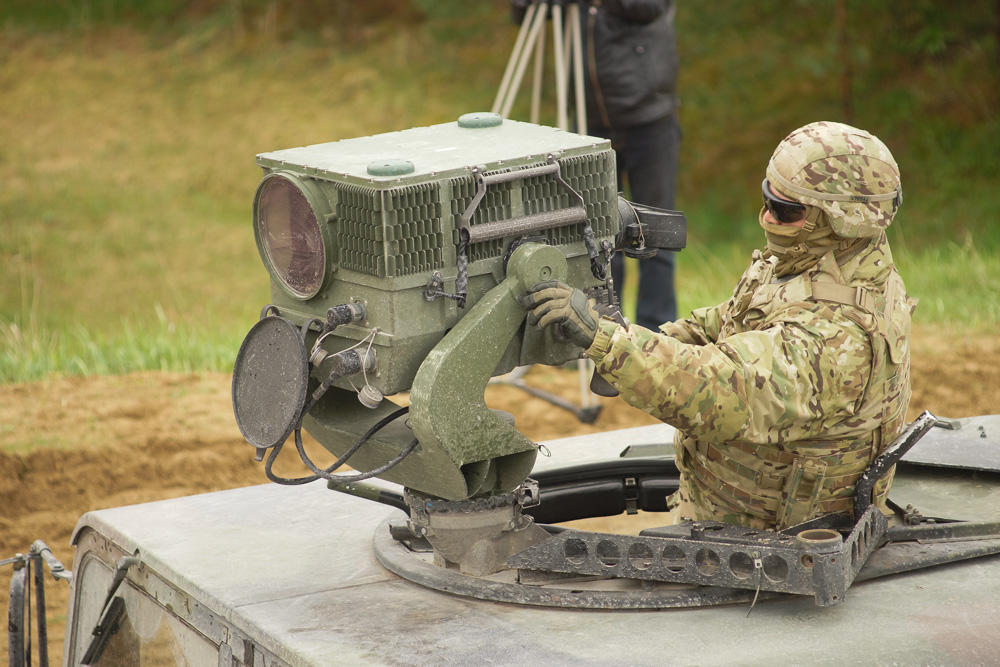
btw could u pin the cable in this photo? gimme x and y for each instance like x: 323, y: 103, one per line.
x: 325, y: 474
x: 350, y: 452
x: 344, y: 479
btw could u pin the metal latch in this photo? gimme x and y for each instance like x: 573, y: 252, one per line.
x: 631, y: 495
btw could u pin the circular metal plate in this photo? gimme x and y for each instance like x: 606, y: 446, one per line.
x: 480, y: 119
x: 270, y: 381
x: 390, y: 168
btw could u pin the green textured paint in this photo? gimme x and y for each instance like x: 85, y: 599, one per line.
x: 465, y: 449
x: 386, y: 236
x: 390, y: 168
x: 479, y: 120
x: 338, y: 421
x: 448, y: 410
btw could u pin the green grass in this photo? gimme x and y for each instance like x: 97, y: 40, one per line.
x: 957, y: 286
x: 34, y: 353
x: 127, y: 170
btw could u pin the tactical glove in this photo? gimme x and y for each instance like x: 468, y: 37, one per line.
x: 553, y: 302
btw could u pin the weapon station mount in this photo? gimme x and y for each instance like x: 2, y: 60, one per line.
x: 396, y: 262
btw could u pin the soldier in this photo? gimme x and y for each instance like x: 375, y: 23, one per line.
x: 785, y: 393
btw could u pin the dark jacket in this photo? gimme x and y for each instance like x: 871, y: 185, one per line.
x: 630, y: 61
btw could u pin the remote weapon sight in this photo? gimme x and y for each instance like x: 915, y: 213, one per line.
x: 395, y: 263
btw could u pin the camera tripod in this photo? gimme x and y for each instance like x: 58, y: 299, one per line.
x: 567, y: 42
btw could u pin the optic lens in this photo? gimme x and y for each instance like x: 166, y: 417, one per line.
x: 291, y: 237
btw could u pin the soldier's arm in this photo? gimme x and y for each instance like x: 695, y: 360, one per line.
x: 781, y: 383
x: 701, y: 328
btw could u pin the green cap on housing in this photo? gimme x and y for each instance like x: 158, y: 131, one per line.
x: 848, y: 173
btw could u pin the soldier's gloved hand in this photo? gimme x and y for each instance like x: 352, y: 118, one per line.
x: 554, y: 302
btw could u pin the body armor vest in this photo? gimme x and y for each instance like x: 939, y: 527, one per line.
x: 785, y: 483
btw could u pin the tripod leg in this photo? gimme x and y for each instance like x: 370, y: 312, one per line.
x: 536, y: 86
x: 515, y: 55
x: 557, y: 44
x: 568, y: 37
x: 576, y: 48
x: 568, y: 49
x: 541, y: 16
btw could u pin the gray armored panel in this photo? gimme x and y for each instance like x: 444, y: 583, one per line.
x: 286, y: 576
x: 973, y: 442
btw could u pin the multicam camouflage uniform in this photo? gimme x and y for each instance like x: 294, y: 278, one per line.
x: 784, y: 394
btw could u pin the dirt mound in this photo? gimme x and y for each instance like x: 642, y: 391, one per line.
x: 77, y: 444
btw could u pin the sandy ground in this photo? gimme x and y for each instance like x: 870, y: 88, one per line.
x: 77, y: 444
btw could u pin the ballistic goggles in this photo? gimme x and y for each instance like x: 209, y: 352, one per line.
x: 783, y: 210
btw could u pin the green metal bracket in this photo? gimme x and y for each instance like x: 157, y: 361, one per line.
x: 466, y: 449
x: 448, y: 410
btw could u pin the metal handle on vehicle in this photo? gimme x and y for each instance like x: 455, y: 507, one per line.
x: 524, y: 224
x: 519, y: 226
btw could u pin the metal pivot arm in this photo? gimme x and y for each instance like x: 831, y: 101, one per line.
x: 448, y: 412
x: 112, y: 612
x: 888, y: 458
x: 56, y: 568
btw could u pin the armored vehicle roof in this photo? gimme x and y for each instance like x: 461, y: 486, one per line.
x: 291, y: 567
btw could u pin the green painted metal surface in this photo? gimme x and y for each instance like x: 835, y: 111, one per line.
x: 447, y: 408
x: 389, y: 208
x: 386, y: 236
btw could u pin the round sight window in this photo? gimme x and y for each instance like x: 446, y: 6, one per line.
x: 290, y: 236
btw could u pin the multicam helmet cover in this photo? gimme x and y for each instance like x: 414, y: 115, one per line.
x: 848, y: 173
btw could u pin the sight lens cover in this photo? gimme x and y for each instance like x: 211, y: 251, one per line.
x: 270, y: 382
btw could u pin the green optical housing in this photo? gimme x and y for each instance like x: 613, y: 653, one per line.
x: 426, y: 237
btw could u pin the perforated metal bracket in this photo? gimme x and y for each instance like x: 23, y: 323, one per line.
x: 820, y: 557
x: 817, y: 562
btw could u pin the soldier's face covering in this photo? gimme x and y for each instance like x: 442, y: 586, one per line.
x: 799, y: 247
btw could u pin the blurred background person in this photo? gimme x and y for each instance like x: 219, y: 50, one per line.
x: 631, y: 63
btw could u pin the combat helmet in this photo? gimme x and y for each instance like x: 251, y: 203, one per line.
x: 848, y: 173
